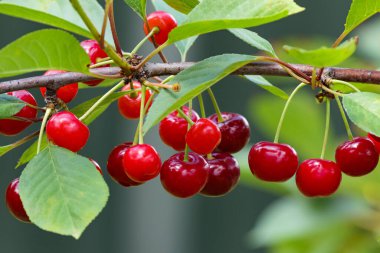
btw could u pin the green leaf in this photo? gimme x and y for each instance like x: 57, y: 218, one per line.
x: 324, y: 56
x: 58, y: 13
x: 62, y: 192
x: 363, y: 108
x: 184, y: 6
x: 10, y: 105
x: 254, y: 40
x: 214, y: 15
x: 194, y: 81
x: 43, y: 50
x: 263, y: 83
x: 139, y: 6
x: 6, y: 149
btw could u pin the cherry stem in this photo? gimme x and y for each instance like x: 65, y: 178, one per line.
x: 187, y: 149
x: 161, y: 54
x: 314, y: 78
x: 111, y: 17
x: 174, y: 87
x: 136, y: 137
x: 152, y: 54
x: 215, y: 104
x: 332, y: 91
x: 128, y: 55
x: 142, y: 114
x: 100, y: 64
x: 334, y: 81
x: 43, y: 125
x: 202, y: 106
x: 142, y: 42
x: 104, y: 25
x: 187, y: 118
x: 281, y: 122
x: 327, y: 128
x: 344, y: 117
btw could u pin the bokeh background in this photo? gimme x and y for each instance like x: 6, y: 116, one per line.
x: 256, y: 217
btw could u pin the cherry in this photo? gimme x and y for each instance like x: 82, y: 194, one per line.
x: 129, y: 105
x: 13, y: 200
x: 13, y: 127
x: 95, y: 52
x: 357, y: 157
x: 184, y: 179
x: 223, y: 174
x: 66, y: 93
x: 164, y: 21
x: 318, y: 178
x: 97, y: 166
x: 376, y: 140
x: 141, y: 163
x: 273, y: 162
x: 64, y: 129
x: 235, y: 132
x: 173, y: 129
x: 115, y: 166
x: 203, y: 137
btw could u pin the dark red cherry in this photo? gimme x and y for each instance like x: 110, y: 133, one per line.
x: 203, y: 137
x: 223, y: 174
x: 273, y: 162
x: 357, y: 157
x: 129, y: 105
x: 66, y: 93
x: 184, y: 179
x: 376, y: 140
x: 115, y: 166
x: 13, y: 127
x: 14, y: 204
x: 173, y: 129
x: 95, y: 52
x: 97, y: 166
x: 235, y: 132
x: 318, y: 178
x: 164, y: 21
x: 141, y: 163
x: 64, y: 129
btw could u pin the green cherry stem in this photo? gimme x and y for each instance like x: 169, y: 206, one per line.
x: 100, y: 64
x: 136, y: 137
x: 187, y: 118
x: 332, y: 91
x: 344, y: 117
x: 202, y: 106
x: 327, y: 128
x: 215, y: 104
x: 43, y: 125
x: 334, y: 81
x: 187, y: 149
x: 281, y: 122
x: 146, y: 38
x: 142, y: 114
x: 151, y: 55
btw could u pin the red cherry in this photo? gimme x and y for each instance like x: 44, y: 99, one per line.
x: 173, y: 129
x: 64, y: 129
x: 97, y: 166
x: 184, y: 179
x: 273, y: 162
x: 376, y: 140
x: 223, y: 174
x: 14, y: 204
x: 13, y: 127
x: 141, y: 163
x: 357, y: 157
x: 115, y: 166
x: 165, y: 23
x: 203, y: 137
x: 95, y: 52
x: 235, y: 132
x: 318, y: 178
x: 129, y: 106
x: 66, y: 93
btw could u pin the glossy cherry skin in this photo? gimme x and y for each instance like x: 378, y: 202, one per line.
x: 66, y: 93
x: 64, y: 129
x: 203, y: 137
x: 95, y: 52
x: 14, y: 204
x: 235, y: 132
x: 97, y: 166
x: 173, y: 129
x: 129, y: 106
x: 115, y: 166
x: 318, y: 178
x: 223, y: 175
x: 141, y: 163
x: 13, y: 127
x: 273, y: 162
x: 165, y: 23
x: 184, y: 179
x: 376, y: 140
x: 357, y: 157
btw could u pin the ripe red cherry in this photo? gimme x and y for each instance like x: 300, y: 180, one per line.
x: 97, y: 166
x: 13, y: 200
x: 376, y: 140
x: 66, y: 93
x: 165, y: 23
x: 203, y: 137
x: 235, y: 132
x: 141, y: 163
x: 357, y: 157
x: 184, y: 179
x: 273, y: 162
x: 95, y: 52
x: 13, y: 127
x: 64, y: 129
x: 129, y: 106
x: 223, y: 174
x: 318, y: 178
x: 115, y: 166
x: 173, y: 129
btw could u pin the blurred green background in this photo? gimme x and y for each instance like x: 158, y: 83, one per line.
x: 256, y: 217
